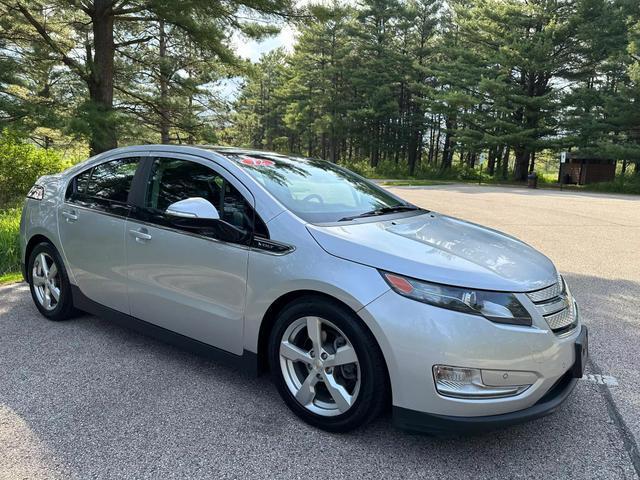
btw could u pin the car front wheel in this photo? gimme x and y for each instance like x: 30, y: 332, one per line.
x: 49, y: 283
x: 327, y: 366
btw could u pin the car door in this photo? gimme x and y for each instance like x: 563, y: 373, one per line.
x: 91, y: 224
x: 191, y: 280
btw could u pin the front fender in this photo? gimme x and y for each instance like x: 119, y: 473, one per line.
x: 352, y: 284
x: 40, y: 217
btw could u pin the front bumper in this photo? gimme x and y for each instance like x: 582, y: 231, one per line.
x: 432, y: 424
x: 414, y: 337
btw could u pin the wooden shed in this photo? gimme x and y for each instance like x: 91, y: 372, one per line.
x: 582, y: 169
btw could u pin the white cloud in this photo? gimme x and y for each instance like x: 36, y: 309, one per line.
x: 287, y: 37
x: 252, y: 50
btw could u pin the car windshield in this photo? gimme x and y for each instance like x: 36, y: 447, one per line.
x: 316, y: 190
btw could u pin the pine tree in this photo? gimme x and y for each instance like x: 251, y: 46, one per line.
x: 102, y: 28
x: 258, y: 120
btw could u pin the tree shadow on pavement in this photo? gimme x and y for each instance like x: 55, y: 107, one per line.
x: 110, y: 402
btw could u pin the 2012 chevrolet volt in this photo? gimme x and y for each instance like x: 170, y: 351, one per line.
x: 353, y: 298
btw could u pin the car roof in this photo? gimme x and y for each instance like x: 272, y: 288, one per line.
x: 225, y: 151
x: 229, y: 153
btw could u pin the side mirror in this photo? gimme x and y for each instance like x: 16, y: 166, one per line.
x: 195, y: 207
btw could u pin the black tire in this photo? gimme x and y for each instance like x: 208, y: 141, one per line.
x: 63, y: 309
x: 374, y: 387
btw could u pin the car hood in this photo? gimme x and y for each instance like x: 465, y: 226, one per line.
x: 440, y: 249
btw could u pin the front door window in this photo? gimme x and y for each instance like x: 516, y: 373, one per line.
x: 172, y: 180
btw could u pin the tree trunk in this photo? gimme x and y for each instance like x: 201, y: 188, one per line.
x: 100, y: 82
x: 163, y: 80
x: 447, y: 152
x: 532, y: 162
x: 432, y: 138
x: 412, y: 151
x: 437, y: 144
x: 323, y: 145
x: 494, y: 152
x: 375, y: 151
x: 472, y: 159
x: 522, y: 164
x: 505, y: 162
x: 334, y: 152
x: 191, y: 138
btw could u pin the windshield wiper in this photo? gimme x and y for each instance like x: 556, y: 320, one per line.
x: 381, y: 211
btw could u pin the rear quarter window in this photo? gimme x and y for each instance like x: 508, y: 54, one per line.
x: 112, y: 180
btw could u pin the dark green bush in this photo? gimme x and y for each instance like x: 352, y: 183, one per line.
x: 629, y: 183
x: 391, y: 170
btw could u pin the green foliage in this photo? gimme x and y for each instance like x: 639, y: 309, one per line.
x: 12, y: 277
x: 79, y: 67
x: 422, y: 87
x: 411, y: 86
x: 393, y: 171
x: 259, y: 117
x: 21, y: 164
x: 622, y: 184
x: 9, y: 241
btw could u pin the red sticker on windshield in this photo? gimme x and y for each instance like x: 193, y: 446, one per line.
x: 257, y: 162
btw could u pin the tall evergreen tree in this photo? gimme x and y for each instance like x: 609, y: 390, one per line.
x: 258, y: 120
x: 101, y: 29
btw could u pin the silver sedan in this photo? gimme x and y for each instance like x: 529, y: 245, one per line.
x: 355, y: 300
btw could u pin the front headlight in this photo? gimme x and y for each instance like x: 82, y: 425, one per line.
x: 499, y: 307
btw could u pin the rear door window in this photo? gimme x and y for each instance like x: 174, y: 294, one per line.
x: 112, y: 180
x: 105, y: 184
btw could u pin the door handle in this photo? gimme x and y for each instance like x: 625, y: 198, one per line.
x: 70, y: 215
x: 140, y: 235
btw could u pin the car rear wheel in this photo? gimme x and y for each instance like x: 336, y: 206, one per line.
x: 49, y: 284
x: 327, y: 366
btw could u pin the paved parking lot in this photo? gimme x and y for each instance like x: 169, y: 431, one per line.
x: 87, y: 399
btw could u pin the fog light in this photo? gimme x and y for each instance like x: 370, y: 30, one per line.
x: 467, y: 383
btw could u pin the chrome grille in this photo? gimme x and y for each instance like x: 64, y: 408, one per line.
x: 555, y: 305
x: 547, y: 293
x: 562, y: 319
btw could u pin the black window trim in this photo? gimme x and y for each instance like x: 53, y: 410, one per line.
x: 138, y: 194
x: 138, y: 191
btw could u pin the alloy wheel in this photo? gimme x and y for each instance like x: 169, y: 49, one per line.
x: 320, y: 366
x: 46, y: 281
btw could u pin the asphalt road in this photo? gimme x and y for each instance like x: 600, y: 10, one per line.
x: 87, y: 399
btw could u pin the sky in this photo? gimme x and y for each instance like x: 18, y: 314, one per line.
x: 252, y: 49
